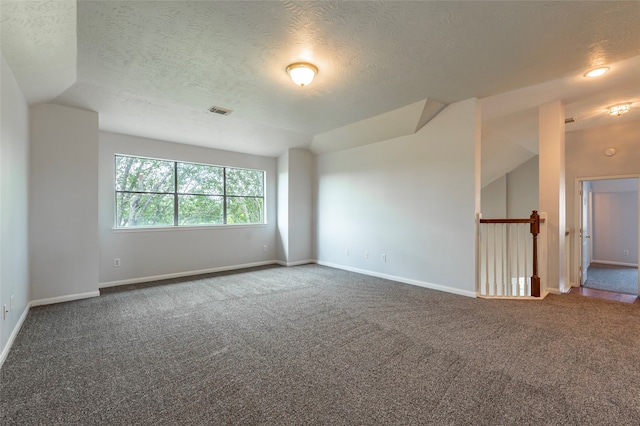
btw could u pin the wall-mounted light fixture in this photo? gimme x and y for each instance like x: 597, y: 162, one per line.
x: 302, y: 73
x: 619, y: 109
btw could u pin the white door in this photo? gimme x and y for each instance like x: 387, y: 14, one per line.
x: 585, y: 231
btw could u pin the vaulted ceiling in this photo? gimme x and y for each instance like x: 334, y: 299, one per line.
x: 153, y: 68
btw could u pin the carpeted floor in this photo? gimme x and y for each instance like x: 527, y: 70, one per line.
x: 311, y: 345
x: 621, y: 279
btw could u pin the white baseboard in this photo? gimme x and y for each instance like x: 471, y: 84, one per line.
x: 424, y: 284
x: 12, y: 337
x: 543, y: 294
x: 608, y: 262
x: 67, y: 298
x: 553, y: 290
x: 184, y: 274
x: 296, y: 263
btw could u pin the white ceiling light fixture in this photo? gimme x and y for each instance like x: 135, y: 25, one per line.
x: 302, y: 73
x: 610, y: 152
x: 596, y: 72
x: 619, y: 109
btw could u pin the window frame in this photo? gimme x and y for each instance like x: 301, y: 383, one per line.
x: 175, y: 194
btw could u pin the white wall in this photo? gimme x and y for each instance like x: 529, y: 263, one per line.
x: 300, y: 210
x: 494, y: 199
x: 283, y: 208
x: 552, y: 194
x: 585, y: 159
x: 615, y: 227
x: 513, y: 195
x: 63, y: 231
x: 14, y: 206
x: 148, y: 254
x: 412, y: 198
x: 523, y: 190
x: 295, y: 214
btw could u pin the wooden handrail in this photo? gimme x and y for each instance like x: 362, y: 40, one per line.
x: 511, y: 220
x: 534, y: 220
x: 505, y: 220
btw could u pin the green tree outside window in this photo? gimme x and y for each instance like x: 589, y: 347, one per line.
x: 152, y: 192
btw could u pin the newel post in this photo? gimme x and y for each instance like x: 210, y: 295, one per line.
x: 535, y: 230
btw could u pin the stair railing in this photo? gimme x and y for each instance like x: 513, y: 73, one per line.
x: 507, y: 252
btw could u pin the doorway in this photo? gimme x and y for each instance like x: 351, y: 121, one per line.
x: 609, y: 236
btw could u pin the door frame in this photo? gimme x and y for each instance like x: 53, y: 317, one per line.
x: 585, y: 203
x: 577, y: 210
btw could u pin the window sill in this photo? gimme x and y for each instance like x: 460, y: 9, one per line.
x: 188, y: 228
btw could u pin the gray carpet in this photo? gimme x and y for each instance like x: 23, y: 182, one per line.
x: 621, y: 279
x: 311, y: 345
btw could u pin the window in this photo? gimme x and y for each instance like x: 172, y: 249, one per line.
x: 151, y: 192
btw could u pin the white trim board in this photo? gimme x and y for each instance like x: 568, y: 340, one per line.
x: 187, y: 273
x: 289, y: 264
x: 608, y: 262
x: 67, y: 298
x: 417, y: 283
x: 578, y: 220
x: 296, y: 263
x: 12, y: 337
x: 543, y: 294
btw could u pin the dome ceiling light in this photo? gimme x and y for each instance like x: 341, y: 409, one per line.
x: 302, y: 73
x: 596, y: 72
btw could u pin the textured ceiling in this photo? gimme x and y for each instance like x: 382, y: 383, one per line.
x: 153, y: 68
x: 39, y: 41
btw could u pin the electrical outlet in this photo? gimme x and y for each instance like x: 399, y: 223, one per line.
x: 346, y: 252
x: 366, y: 254
x: 264, y: 247
x: 383, y: 257
x: 626, y: 252
x: 116, y: 262
x: 11, y: 303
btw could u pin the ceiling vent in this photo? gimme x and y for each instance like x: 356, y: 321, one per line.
x: 569, y: 120
x: 220, y: 110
